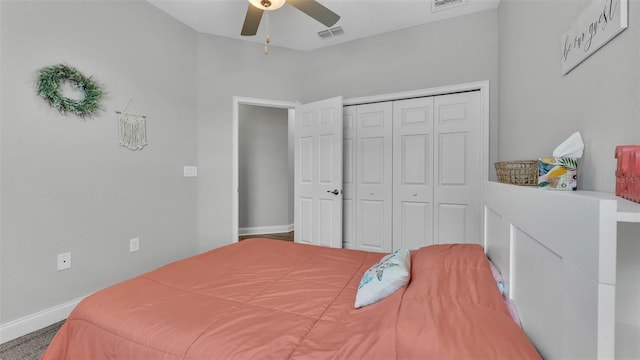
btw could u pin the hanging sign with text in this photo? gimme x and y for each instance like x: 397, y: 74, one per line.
x: 596, y: 26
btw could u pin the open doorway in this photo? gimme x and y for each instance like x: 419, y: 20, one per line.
x: 263, y: 168
x: 265, y: 172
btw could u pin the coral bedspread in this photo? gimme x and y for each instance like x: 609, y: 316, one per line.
x: 268, y: 299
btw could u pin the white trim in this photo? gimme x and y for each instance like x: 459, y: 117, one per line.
x: 442, y: 90
x: 36, y: 321
x: 0, y: 167
x: 237, y: 101
x: 265, y: 229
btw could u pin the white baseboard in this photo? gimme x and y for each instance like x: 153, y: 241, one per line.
x: 36, y: 321
x: 265, y: 230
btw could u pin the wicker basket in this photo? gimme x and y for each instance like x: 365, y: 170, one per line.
x: 519, y: 172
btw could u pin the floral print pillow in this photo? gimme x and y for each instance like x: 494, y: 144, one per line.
x: 384, y: 278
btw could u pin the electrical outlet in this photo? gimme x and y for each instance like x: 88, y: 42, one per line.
x: 64, y: 261
x: 134, y: 244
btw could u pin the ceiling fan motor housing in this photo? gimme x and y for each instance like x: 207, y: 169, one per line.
x: 267, y: 4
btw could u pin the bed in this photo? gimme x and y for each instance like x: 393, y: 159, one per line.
x: 267, y: 299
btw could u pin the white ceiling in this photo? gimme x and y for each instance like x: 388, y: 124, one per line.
x: 293, y: 29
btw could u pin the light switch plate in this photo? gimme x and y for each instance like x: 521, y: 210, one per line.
x: 134, y: 244
x: 190, y: 171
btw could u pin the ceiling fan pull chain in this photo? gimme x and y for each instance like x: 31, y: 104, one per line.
x: 268, y: 37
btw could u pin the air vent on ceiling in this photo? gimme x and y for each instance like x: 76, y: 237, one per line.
x: 334, y: 31
x: 446, y: 4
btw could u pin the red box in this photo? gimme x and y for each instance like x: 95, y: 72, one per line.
x: 628, y: 172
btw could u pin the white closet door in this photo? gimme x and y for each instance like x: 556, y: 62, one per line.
x: 348, y: 176
x: 374, y: 177
x: 413, y: 173
x: 318, y: 173
x: 457, y: 168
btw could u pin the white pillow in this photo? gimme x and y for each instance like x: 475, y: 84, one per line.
x: 384, y: 278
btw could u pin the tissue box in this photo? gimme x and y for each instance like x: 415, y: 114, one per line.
x: 558, y: 173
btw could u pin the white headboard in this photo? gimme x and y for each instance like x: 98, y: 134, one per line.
x: 557, y: 254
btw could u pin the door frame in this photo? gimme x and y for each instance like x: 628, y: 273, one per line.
x: 235, y: 187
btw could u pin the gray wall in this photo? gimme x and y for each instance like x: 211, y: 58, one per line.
x: 443, y: 53
x: 263, y: 167
x: 459, y: 50
x: 228, y: 68
x: 539, y: 108
x: 67, y: 186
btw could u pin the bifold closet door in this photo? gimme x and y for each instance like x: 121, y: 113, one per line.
x: 349, y: 178
x: 413, y: 173
x: 457, y: 168
x: 374, y: 177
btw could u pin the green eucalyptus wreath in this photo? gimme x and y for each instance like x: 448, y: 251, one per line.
x: 49, y: 80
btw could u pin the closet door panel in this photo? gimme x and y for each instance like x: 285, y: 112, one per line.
x: 457, y: 168
x: 452, y: 168
x: 372, y: 237
x: 348, y: 174
x: 450, y: 220
x: 372, y: 164
x: 374, y: 177
x: 414, y: 225
x: 413, y: 173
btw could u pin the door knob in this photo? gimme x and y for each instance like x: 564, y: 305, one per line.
x: 334, y: 192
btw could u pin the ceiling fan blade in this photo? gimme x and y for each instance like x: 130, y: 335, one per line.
x: 316, y: 10
x: 251, y: 21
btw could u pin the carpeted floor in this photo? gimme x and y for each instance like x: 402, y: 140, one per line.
x: 30, y: 346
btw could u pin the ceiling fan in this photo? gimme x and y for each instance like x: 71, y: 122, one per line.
x: 310, y: 7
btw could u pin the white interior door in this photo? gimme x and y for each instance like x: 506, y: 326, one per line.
x: 413, y: 173
x: 318, y: 173
x: 374, y: 177
x: 457, y: 168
